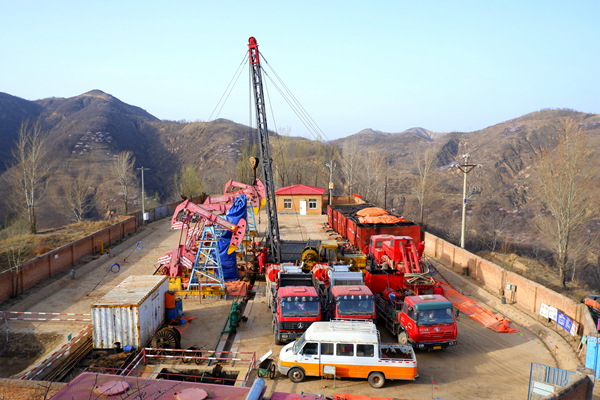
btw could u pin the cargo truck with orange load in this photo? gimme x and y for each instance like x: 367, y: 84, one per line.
x: 346, y: 220
x: 346, y: 349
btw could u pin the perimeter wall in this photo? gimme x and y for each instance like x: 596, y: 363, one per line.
x: 527, y: 294
x: 16, y: 280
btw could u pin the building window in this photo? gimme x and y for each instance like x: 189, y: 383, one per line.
x: 312, y: 204
x: 287, y: 204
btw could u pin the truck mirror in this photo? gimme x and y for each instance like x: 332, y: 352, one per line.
x: 456, y: 312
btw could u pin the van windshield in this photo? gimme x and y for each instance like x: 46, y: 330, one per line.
x: 299, y: 343
x: 355, y: 307
x: 300, y: 308
x: 435, y: 317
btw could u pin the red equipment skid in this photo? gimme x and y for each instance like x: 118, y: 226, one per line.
x: 397, y: 252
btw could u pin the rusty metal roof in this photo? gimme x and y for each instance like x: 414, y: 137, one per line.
x: 132, y: 291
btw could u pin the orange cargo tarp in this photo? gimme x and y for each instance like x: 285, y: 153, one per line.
x: 476, y: 312
x: 592, y: 303
x: 381, y: 219
x: 371, y: 212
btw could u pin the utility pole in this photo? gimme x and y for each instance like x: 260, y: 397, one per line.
x: 465, y: 169
x: 385, y: 195
x: 330, y: 165
x: 143, y: 195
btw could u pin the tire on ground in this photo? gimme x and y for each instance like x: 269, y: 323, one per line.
x: 296, y: 374
x: 376, y: 380
x: 276, y: 336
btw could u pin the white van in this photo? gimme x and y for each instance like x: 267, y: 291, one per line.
x: 353, y: 348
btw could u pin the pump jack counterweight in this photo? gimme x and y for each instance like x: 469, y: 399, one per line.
x: 265, y: 158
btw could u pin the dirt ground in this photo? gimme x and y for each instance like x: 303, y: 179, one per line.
x: 484, y: 364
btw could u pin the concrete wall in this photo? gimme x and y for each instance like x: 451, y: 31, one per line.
x: 528, y: 294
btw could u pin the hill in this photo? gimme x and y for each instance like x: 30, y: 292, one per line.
x: 89, y: 130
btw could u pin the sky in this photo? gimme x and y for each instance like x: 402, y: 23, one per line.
x: 352, y: 65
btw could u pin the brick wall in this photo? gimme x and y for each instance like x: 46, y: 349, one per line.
x: 528, y: 294
x: 17, y: 280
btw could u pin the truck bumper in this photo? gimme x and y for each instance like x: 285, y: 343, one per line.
x: 290, y: 336
x: 434, y: 345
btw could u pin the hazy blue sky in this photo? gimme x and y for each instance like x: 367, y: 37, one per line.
x: 386, y: 65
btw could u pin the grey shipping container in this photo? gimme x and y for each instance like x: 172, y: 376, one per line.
x: 131, y: 312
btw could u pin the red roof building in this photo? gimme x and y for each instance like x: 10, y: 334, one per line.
x: 302, y: 199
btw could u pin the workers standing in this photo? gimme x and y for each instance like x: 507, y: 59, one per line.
x: 262, y: 259
x: 438, y: 289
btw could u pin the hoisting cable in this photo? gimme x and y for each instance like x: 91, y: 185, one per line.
x: 308, y: 121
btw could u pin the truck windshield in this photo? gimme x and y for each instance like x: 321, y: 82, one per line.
x: 355, y: 307
x: 435, y: 317
x: 300, y: 308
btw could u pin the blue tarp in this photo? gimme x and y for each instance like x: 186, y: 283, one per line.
x: 228, y: 261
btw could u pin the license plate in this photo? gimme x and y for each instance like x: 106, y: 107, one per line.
x: 437, y: 347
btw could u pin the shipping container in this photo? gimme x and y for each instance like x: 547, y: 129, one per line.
x: 131, y: 312
x: 347, y: 225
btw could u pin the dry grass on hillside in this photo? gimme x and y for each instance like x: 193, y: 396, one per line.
x: 24, y: 247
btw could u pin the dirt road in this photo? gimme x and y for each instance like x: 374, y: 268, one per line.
x: 484, y: 364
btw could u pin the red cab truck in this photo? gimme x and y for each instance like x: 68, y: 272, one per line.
x: 425, y: 321
x: 295, y: 307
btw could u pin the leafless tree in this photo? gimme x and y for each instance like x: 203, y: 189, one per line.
x: 350, y: 163
x: 187, y: 182
x: 14, y: 237
x: 493, y: 225
x: 371, y: 181
x: 426, y: 184
x: 565, y: 183
x: 122, y: 170
x: 30, y: 170
x: 78, y: 197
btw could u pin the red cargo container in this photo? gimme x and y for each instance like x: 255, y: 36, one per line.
x: 346, y: 224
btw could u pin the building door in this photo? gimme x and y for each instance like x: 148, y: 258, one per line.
x: 302, y: 207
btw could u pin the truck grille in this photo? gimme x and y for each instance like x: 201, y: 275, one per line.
x: 295, y: 325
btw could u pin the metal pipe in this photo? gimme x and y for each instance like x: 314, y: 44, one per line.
x: 257, y: 390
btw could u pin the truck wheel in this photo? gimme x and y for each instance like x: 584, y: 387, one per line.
x: 376, y: 379
x: 296, y: 375
x: 276, y: 336
x: 402, y: 338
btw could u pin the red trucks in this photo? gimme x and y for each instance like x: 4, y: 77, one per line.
x: 295, y: 304
x: 423, y: 320
x: 352, y: 302
x: 344, y: 294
